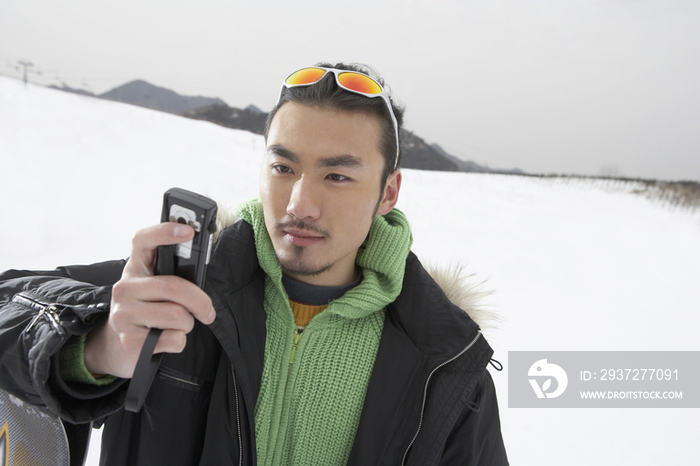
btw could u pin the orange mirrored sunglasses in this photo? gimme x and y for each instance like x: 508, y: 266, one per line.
x: 352, y: 81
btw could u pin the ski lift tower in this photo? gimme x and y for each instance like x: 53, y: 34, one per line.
x: 25, y: 65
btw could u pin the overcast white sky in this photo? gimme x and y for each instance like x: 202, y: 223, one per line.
x: 548, y: 86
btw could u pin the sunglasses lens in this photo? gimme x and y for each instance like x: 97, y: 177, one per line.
x: 305, y: 76
x: 359, y: 83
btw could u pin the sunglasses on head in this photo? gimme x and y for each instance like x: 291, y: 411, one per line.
x: 352, y: 81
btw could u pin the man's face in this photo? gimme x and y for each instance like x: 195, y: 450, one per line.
x: 320, y: 189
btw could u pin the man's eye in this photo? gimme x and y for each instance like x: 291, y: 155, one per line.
x: 282, y: 168
x: 336, y: 177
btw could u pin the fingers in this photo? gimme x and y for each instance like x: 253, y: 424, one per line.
x: 116, y: 354
x: 141, y: 301
x: 166, y: 316
x: 145, y: 242
x: 171, y: 341
x: 164, y: 288
x: 115, y: 344
x: 137, y: 295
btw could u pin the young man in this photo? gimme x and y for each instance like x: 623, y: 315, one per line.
x: 320, y: 338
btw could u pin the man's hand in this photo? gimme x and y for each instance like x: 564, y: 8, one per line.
x: 141, y: 301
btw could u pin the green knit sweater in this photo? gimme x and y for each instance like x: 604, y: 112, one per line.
x: 314, y: 383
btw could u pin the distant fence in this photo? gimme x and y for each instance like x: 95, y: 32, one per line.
x: 683, y: 194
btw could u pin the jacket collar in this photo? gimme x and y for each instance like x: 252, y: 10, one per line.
x: 423, y: 332
x: 435, y: 325
x: 456, y: 300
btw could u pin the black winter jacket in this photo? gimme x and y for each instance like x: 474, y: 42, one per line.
x: 430, y: 399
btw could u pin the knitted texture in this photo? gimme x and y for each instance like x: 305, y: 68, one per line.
x: 303, y: 313
x: 309, y: 407
x: 72, y: 364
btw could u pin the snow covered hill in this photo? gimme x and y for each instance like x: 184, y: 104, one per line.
x: 572, y: 265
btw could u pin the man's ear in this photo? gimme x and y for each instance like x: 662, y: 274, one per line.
x: 391, y: 193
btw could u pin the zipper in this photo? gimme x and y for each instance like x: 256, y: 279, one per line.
x: 180, y: 379
x: 238, y: 418
x: 295, y: 343
x: 425, y: 392
x: 51, y: 312
x: 274, y: 451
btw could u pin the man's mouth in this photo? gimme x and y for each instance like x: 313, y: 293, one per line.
x: 301, y: 237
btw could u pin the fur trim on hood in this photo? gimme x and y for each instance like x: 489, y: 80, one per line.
x: 225, y: 217
x: 463, y: 291
x: 458, y: 285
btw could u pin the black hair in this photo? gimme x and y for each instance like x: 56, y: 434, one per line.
x: 327, y: 94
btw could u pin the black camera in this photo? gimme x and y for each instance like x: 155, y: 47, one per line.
x: 187, y: 260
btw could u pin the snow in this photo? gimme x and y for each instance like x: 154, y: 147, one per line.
x: 571, y: 264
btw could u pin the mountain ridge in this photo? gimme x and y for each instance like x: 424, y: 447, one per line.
x: 145, y: 94
x: 417, y: 153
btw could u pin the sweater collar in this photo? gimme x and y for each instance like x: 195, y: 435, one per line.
x: 382, y: 258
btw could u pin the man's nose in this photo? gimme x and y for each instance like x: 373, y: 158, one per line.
x: 304, y: 202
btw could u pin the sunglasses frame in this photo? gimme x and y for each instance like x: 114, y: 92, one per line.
x: 336, y: 72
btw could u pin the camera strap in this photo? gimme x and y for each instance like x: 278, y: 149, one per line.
x: 148, y: 363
